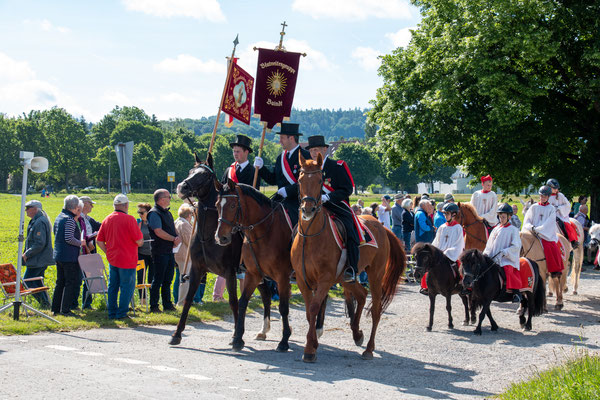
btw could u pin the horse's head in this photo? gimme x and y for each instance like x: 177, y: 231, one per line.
x: 471, y: 262
x: 229, y: 209
x: 310, y: 184
x: 199, y: 181
x: 594, y: 236
x: 423, y: 254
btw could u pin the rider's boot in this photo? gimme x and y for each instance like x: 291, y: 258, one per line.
x: 517, y: 297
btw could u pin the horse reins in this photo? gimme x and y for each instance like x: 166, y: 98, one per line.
x: 468, y: 225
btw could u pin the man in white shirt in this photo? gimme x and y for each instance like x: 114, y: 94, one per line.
x: 504, y: 247
x: 384, y: 210
x: 541, y: 221
x: 485, y: 202
x: 563, y: 208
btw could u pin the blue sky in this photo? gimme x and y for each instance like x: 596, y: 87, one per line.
x: 168, y: 56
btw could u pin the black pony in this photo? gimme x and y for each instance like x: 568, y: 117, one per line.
x: 442, y: 279
x: 206, y: 255
x: 482, y: 276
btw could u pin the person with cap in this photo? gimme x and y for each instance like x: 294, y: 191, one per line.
x: 504, y: 247
x: 449, y: 239
x: 37, y: 255
x: 397, y: 216
x: 287, y: 168
x: 240, y: 171
x: 563, y: 208
x: 439, y: 219
x: 162, y: 230
x: 67, y: 248
x: 338, y: 185
x: 448, y: 198
x: 119, y: 238
x: 384, y: 210
x: 90, y: 229
x: 540, y: 220
x: 485, y: 202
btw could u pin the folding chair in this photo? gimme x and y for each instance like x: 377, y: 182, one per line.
x: 141, y: 265
x: 94, y: 275
x: 8, y: 279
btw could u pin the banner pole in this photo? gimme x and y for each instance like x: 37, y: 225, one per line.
x: 262, y: 142
x: 229, y: 67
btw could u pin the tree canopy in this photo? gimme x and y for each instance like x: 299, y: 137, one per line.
x: 510, y: 88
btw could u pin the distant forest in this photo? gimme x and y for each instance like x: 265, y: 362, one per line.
x: 333, y: 124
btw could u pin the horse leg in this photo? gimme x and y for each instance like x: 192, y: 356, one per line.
x: 530, y: 304
x: 284, y: 311
x: 489, y: 315
x: 558, y: 284
x: 250, y: 283
x: 471, y: 309
x: 576, y: 270
x: 321, y: 318
x: 360, y: 294
x: 265, y: 295
x: 449, y: 309
x: 195, y: 279
x: 312, y: 309
x: 482, y: 313
x: 376, y: 310
x: 466, y: 304
x: 431, y: 310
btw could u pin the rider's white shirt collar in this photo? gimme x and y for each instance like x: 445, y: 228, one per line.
x: 292, y: 150
x: 243, y: 165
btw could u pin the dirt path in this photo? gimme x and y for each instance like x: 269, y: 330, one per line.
x: 409, y: 362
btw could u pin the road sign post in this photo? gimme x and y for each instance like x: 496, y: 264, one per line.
x: 171, y: 178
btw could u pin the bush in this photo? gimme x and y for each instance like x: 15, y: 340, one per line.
x: 375, y: 188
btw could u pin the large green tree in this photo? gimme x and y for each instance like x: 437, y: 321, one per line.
x: 364, y: 165
x: 175, y: 156
x: 9, y: 153
x: 137, y: 132
x: 508, y: 87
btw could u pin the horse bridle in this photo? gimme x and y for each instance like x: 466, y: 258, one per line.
x: 468, y: 225
x: 480, y: 275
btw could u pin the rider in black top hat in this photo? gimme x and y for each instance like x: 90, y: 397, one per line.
x: 338, y: 185
x: 287, y: 169
x: 241, y: 171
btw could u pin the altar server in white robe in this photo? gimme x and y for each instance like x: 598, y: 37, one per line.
x: 485, y: 202
x: 563, y: 208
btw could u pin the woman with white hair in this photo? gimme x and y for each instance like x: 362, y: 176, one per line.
x: 408, y: 222
x: 183, y: 226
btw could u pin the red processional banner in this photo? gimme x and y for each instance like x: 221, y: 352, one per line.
x: 237, y: 101
x: 276, y: 75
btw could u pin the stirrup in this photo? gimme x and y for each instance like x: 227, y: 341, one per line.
x: 517, y: 298
x: 349, y: 275
x: 424, y: 291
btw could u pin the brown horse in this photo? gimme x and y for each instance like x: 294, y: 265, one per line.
x: 475, y: 230
x: 317, y: 261
x: 266, y: 249
x: 531, y: 247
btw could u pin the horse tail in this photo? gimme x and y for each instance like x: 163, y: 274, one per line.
x: 394, y: 270
x: 539, y: 291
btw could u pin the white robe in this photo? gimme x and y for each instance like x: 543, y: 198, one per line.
x: 450, y: 240
x: 504, y: 245
x: 561, y: 205
x: 543, y: 219
x: 486, y: 205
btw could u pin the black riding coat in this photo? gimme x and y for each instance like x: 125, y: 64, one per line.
x: 245, y: 176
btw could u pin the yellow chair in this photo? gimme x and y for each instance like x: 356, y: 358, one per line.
x: 141, y: 265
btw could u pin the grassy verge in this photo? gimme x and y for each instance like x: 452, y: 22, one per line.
x: 579, y: 378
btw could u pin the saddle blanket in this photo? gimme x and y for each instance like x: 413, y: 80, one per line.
x: 340, y: 241
x: 527, y: 275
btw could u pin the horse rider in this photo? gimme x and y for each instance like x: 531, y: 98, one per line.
x: 485, y: 202
x: 338, y: 185
x: 287, y: 169
x: 240, y: 171
x: 504, y: 247
x: 541, y: 221
x: 563, y: 207
x: 449, y: 239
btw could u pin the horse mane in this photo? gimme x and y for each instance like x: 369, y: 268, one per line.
x: 436, y: 253
x: 474, y: 256
x: 469, y: 206
x: 259, y: 197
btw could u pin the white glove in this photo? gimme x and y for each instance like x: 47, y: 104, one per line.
x: 324, y: 198
x: 281, y: 192
x: 258, y: 162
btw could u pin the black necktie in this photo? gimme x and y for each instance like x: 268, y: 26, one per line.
x: 238, y: 169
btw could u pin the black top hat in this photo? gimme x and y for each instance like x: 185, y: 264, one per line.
x: 316, y: 141
x: 289, y: 129
x: 242, y: 141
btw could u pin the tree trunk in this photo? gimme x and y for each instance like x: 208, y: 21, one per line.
x: 595, y: 206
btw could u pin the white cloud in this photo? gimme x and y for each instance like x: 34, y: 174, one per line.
x: 402, y: 37
x: 46, y: 26
x: 12, y: 70
x: 367, y: 57
x: 199, y: 9
x: 185, y: 63
x: 116, y: 98
x: 177, y: 98
x: 354, y: 9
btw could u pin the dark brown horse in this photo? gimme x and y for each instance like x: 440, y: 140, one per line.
x: 266, y: 251
x: 475, y: 230
x: 318, y: 263
x: 205, y: 254
x: 441, y: 279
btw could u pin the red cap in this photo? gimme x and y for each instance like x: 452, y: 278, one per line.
x: 486, y: 178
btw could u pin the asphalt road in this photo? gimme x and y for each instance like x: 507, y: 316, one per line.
x: 409, y: 362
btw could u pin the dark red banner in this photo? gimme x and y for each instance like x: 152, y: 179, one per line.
x: 276, y: 75
x: 238, y: 94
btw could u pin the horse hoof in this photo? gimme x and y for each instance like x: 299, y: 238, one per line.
x: 477, y: 332
x: 494, y: 329
x: 282, y: 347
x: 261, y: 336
x: 360, y: 340
x: 428, y: 328
x: 450, y: 326
x: 465, y: 323
x: 527, y: 327
x: 367, y: 355
x: 237, y: 346
x: 319, y: 333
x: 575, y: 292
x: 309, y: 358
x: 175, y: 340
x: 473, y: 320
x: 549, y: 294
x: 558, y: 307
